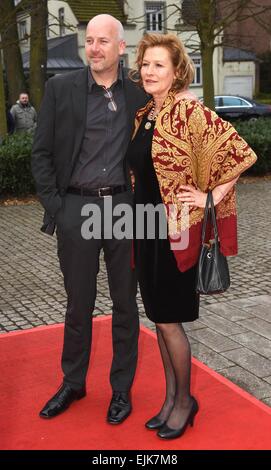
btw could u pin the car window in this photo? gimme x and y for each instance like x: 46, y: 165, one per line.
x: 233, y: 101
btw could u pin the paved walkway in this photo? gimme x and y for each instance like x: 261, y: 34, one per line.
x: 233, y: 334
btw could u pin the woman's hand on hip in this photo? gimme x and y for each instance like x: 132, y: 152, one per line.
x: 192, y: 197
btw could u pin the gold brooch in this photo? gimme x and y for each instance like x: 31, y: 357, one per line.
x: 148, y: 125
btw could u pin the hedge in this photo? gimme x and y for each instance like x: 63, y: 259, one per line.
x: 15, y: 155
x: 15, y: 165
x: 258, y: 136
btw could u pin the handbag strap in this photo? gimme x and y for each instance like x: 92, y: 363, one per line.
x: 209, y: 202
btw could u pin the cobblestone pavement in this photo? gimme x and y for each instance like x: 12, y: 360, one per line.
x: 233, y: 333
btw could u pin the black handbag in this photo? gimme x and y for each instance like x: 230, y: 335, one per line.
x: 213, y: 275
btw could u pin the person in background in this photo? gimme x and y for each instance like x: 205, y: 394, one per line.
x: 180, y: 150
x: 24, y: 114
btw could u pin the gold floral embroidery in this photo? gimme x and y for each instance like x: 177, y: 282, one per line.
x: 192, y: 145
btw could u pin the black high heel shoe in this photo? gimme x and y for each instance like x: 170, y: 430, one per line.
x: 154, y: 423
x: 167, y: 433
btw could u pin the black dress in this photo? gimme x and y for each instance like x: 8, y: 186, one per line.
x: 169, y: 295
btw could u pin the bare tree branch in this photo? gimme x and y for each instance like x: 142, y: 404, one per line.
x: 208, y: 20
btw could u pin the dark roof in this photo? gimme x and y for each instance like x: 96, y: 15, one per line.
x: 62, y: 54
x: 239, y: 55
x: 84, y: 10
x: 190, y: 11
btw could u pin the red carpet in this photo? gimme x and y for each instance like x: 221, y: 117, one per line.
x: 228, y: 419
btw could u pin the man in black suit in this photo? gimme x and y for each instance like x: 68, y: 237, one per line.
x: 84, y: 128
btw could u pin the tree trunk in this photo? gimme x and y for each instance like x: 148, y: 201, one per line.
x: 12, y: 54
x: 206, y: 30
x: 38, y: 51
x: 3, y: 119
x: 208, y: 76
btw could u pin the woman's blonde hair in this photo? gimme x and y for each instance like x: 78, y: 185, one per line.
x: 183, y: 65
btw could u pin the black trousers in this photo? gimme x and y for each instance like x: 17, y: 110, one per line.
x: 79, y: 262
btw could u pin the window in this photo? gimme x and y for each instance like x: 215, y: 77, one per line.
x: 22, y: 30
x: 198, y: 71
x: 61, y: 20
x: 155, y: 16
x: 232, y: 101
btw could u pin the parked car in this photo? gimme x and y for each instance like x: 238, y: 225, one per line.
x: 231, y: 107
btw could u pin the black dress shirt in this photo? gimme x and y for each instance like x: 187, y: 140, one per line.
x: 105, y: 140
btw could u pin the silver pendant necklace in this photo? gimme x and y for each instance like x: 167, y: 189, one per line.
x: 151, y: 117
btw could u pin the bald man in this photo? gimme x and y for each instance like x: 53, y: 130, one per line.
x: 84, y: 127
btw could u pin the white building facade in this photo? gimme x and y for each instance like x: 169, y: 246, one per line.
x: 230, y: 76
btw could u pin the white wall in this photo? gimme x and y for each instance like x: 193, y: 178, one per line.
x: 238, y: 69
x: 70, y: 19
x: 53, y: 7
x: 81, y: 34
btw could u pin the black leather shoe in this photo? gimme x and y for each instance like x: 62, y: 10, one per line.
x: 154, y: 423
x: 120, y: 408
x: 167, y: 433
x: 61, y: 401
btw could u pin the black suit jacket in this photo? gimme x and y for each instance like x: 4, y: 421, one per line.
x: 59, y: 135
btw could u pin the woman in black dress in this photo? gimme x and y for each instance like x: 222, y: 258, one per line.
x: 167, y: 278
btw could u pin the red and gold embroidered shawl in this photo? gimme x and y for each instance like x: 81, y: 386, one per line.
x: 192, y: 145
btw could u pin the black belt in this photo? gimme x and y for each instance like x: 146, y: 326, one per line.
x: 99, y: 192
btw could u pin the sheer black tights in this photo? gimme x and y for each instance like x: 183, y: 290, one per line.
x: 176, y: 356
